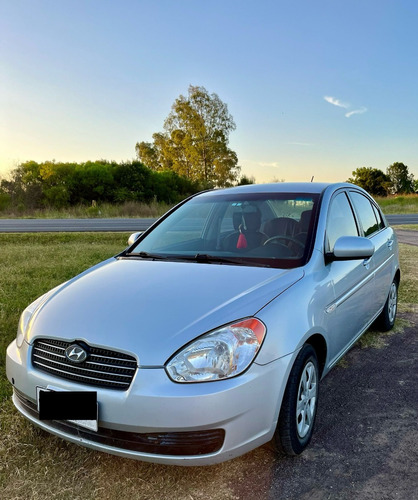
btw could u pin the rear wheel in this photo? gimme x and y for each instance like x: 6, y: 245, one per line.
x: 387, y: 317
x: 298, y: 410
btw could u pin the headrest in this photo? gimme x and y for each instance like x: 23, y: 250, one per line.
x: 305, y: 219
x: 252, y: 218
x: 280, y: 225
x: 237, y: 220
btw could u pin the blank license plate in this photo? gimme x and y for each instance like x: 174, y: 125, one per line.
x: 79, y: 407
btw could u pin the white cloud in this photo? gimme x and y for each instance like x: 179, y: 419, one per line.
x: 273, y: 164
x: 356, y: 112
x: 336, y: 102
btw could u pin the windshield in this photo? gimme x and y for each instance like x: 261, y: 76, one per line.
x: 269, y: 229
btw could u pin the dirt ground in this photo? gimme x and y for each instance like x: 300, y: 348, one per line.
x: 365, y: 445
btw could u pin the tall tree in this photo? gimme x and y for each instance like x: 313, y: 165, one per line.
x: 195, y: 139
x: 372, y: 180
x: 402, y: 181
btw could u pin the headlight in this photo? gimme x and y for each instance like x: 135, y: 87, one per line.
x: 27, y: 315
x: 222, y: 353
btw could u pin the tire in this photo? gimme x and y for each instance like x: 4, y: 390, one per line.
x: 298, y: 411
x: 387, y: 317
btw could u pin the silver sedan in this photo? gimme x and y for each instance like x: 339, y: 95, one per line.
x: 208, y: 336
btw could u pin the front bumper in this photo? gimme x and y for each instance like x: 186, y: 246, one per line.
x: 160, y: 421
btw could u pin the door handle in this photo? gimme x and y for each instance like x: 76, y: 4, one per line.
x: 366, y: 262
x: 390, y: 244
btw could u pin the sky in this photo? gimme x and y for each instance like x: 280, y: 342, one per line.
x: 316, y: 88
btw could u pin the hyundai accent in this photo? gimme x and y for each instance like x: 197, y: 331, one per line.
x: 208, y: 336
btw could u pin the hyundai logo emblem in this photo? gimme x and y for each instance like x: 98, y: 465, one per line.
x: 75, y: 353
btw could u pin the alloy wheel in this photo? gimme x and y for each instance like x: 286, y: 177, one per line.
x: 306, y: 402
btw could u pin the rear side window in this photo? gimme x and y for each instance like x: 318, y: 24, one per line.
x: 340, y: 221
x: 379, y: 218
x: 365, y: 213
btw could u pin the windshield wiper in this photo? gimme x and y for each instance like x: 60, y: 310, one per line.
x: 199, y: 257
x: 204, y: 257
x: 215, y: 259
x: 146, y: 255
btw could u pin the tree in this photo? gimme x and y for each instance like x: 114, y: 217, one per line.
x: 194, y: 143
x: 24, y: 188
x: 373, y: 180
x: 94, y: 181
x: 402, y: 181
x: 245, y: 180
x: 133, y: 181
x: 57, y: 183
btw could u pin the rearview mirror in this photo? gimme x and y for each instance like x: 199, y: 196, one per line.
x: 352, y: 248
x: 133, y: 237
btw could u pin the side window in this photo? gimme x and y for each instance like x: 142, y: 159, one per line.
x: 378, y: 215
x: 365, y: 212
x: 340, y: 221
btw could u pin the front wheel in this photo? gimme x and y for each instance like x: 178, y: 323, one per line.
x: 298, y: 410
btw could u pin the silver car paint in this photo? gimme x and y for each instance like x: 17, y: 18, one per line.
x: 137, y: 292
x: 313, y: 300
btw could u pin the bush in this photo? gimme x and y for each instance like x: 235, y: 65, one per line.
x: 53, y: 185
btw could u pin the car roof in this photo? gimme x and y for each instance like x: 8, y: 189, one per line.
x: 281, y: 187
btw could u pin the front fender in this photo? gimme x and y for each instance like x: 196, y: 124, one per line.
x: 293, y: 317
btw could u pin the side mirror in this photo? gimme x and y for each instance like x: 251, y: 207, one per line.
x: 352, y: 248
x: 133, y: 237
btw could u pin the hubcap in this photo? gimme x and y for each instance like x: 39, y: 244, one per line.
x: 306, y: 403
x: 392, y: 302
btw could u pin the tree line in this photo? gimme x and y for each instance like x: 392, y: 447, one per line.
x: 33, y: 185
x: 396, y: 180
x: 58, y: 185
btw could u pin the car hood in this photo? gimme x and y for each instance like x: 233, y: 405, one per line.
x: 153, y: 308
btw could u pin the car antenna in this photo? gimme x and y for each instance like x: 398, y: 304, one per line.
x: 312, y: 178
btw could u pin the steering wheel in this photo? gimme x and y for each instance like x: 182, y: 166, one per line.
x: 286, y: 238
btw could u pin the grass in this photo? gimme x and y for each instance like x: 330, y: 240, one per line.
x: 408, y: 291
x: 37, y: 465
x: 410, y: 227
x: 377, y: 339
x: 405, y: 204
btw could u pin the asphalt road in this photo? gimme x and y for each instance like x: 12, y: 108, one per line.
x: 397, y: 219
x: 408, y: 237
x: 116, y: 225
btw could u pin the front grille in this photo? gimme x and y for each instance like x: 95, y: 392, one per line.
x: 165, y: 443
x: 103, y: 367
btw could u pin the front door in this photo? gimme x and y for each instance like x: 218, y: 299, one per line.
x: 352, y: 281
